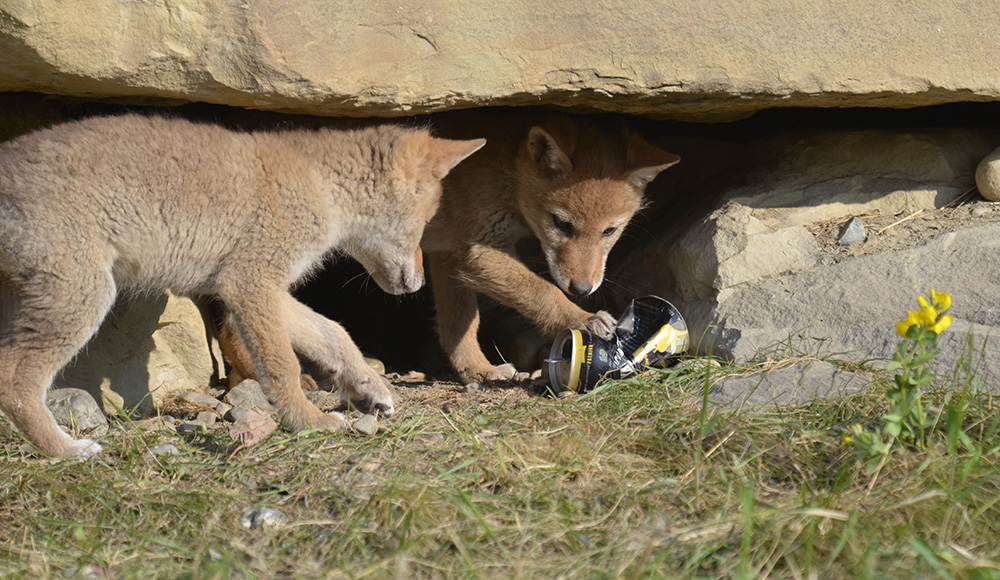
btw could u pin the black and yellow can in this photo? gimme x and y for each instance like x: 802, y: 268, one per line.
x: 650, y: 332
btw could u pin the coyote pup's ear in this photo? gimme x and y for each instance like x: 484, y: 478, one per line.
x: 445, y: 154
x: 546, y: 152
x: 645, y: 162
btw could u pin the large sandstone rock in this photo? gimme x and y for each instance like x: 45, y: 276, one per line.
x: 851, y: 307
x: 669, y: 58
x: 751, y: 276
x: 148, y: 348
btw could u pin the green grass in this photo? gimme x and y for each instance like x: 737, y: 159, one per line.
x: 636, y: 480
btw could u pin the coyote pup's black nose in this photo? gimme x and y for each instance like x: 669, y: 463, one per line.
x: 580, y: 288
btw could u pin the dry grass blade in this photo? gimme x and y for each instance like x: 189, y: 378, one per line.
x: 900, y: 221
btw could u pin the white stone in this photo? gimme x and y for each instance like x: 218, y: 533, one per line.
x: 988, y: 176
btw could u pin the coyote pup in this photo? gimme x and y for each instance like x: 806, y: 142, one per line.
x: 95, y: 207
x: 572, y: 185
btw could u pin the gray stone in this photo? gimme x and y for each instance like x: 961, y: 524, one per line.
x: 162, y: 423
x: 793, y: 384
x: 207, y: 418
x: 166, y: 449
x: 256, y: 518
x: 473, y: 388
x: 77, y: 410
x: 851, y: 307
x: 980, y: 211
x: 248, y: 395
x: 852, y: 232
x: 199, y: 399
x: 234, y: 414
x: 85, y: 572
x: 367, y: 424
x: 223, y: 409
x: 189, y: 427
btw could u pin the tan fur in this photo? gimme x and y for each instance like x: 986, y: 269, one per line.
x: 533, y: 170
x: 91, y: 208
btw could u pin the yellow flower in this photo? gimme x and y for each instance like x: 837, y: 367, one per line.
x: 927, y: 316
x: 923, y: 301
x: 847, y: 439
x: 942, y: 301
x: 943, y: 323
x: 911, y: 319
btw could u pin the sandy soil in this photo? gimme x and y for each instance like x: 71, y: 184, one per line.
x: 892, y: 232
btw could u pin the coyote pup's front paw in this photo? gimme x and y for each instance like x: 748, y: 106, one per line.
x: 600, y: 323
x: 332, y: 421
x: 84, y: 448
x: 504, y: 372
x: 371, y: 395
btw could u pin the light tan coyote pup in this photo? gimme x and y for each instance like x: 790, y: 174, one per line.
x: 572, y: 185
x: 94, y: 207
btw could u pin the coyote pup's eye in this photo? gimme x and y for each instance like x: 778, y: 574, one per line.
x: 562, y: 225
x: 608, y: 232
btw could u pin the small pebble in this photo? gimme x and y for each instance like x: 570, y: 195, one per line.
x: 522, y: 376
x: 255, y: 518
x: 166, y: 449
x: 248, y: 395
x: 186, y: 428
x: 234, y: 414
x: 980, y: 210
x: 199, y: 399
x: 429, y: 438
x: 367, y: 424
x: 472, y: 388
x: 76, y: 409
x: 367, y: 467
x: 375, y: 364
x: 852, y: 232
x: 414, y: 377
x: 536, y: 374
x: 223, y: 409
x: 163, y: 423
x: 87, y: 571
x: 206, y: 418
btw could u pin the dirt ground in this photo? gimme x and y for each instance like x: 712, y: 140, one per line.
x: 424, y: 397
x: 891, y: 232
x: 415, y: 394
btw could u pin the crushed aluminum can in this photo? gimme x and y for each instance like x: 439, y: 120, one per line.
x: 650, y: 332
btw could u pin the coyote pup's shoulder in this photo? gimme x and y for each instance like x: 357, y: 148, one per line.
x: 89, y: 208
x: 572, y: 184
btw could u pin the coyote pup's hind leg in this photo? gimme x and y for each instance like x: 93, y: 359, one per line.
x: 54, y: 317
